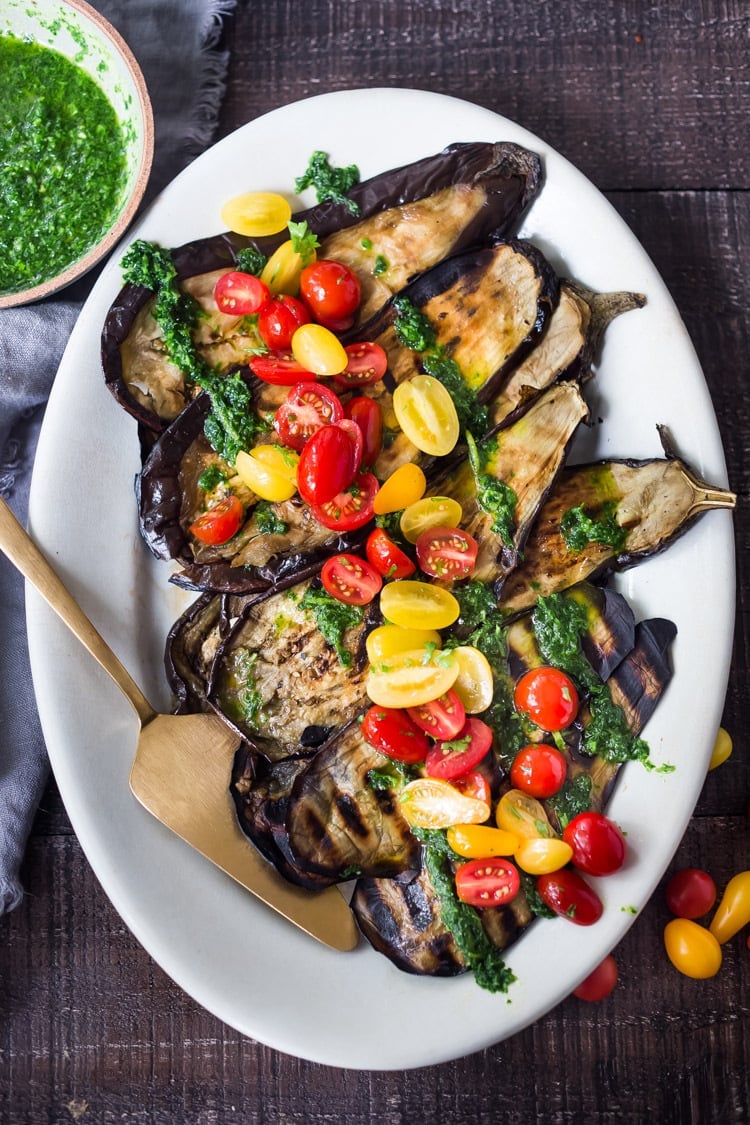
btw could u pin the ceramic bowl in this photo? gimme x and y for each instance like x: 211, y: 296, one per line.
x: 77, y: 31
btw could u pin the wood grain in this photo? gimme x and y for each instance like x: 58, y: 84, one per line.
x: 651, y: 102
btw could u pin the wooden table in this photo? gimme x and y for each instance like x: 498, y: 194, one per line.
x: 651, y: 102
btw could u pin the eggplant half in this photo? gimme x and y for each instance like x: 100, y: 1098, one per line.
x: 409, y: 219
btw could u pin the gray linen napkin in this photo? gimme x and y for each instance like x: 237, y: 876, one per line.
x: 177, y: 46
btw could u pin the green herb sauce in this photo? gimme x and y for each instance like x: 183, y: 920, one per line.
x: 62, y: 164
x: 494, y: 496
x: 329, y: 183
x: 267, y: 520
x: 578, y: 528
x: 572, y: 799
x: 333, y: 618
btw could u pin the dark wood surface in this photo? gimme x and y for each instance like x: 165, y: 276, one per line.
x: 652, y: 103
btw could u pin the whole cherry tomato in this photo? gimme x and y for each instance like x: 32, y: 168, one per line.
x: 487, y: 882
x: 600, y: 983
x: 733, y: 912
x: 392, y: 732
x: 388, y: 558
x: 220, y: 522
x: 350, y: 579
x: 327, y: 465
x: 332, y: 292
x: 279, y: 319
x: 240, y: 294
x: 690, y: 893
x: 539, y: 769
x: 368, y: 415
x: 451, y: 758
x: 569, y: 895
x: 305, y: 410
x: 548, y: 697
x: 598, y: 844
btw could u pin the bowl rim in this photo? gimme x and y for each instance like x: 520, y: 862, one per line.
x: 115, y: 232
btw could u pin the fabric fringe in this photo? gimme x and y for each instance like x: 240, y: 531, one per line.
x: 9, y: 466
x: 11, y: 893
x: 201, y: 129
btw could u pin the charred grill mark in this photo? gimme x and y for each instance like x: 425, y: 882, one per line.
x: 351, y: 816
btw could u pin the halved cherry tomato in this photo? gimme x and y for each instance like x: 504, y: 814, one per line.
x: 429, y: 802
x: 403, y: 487
x: 327, y: 465
x: 474, y: 784
x: 256, y: 213
x: 317, y: 349
x: 387, y: 558
x: 368, y: 415
x: 475, y: 684
x: 409, y: 679
x: 569, y: 895
x: 240, y: 294
x: 487, y: 882
x: 269, y: 470
x: 427, y: 414
x: 449, y: 759
x: 354, y: 432
x: 367, y: 363
x: 279, y: 319
x: 331, y: 290
x: 447, y: 552
x: 477, y: 841
x: 281, y: 370
x: 600, y: 983
x: 306, y: 409
x: 539, y: 769
x: 548, y: 697
x: 387, y: 640
x: 351, y: 508
x: 598, y: 844
x: 281, y: 272
x: 690, y: 893
x: 350, y: 579
x: 391, y: 731
x: 692, y: 949
x: 420, y: 604
x: 220, y: 522
x: 429, y: 512
x: 518, y: 812
x: 441, y: 718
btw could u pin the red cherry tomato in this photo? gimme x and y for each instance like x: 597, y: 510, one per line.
x: 454, y: 757
x: 487, y: 882
x: 391, y: 731
x: 548, y: 697
x: 368, y: 415
x: 350, y: 579
x: 331, y: 291
x: 240, y: 294
x: 600, y: 983
x: 354, y: 432
x: 367, y: 364
x: 690, y: 893
x: 441, y: 718
x: 351, y: 508
x: 306, y: 409
x: 539, y: 770
x: 327, y: 464
x: 388, y: 559
x: 598, y: 844
x: 279, y: 319
x: 473, y: 784
x: 569, y: 895
x: 281, y: 370
x: 220, y: 522
x: 447, y: 552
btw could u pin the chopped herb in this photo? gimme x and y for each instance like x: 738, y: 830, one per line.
x: 572, y: 799
x: 494, y: 496
x: 381, y: 265
x: 412, y: 326
x: 536, y: 905
x: 333, y: 618
x: 267, y: 520
x: 629, y: 909
x: 394, y: 775
x: 212, y: 477
x: 242, y: 700
x: 251, y: 261
x: 304, y: 242
x: 328, y: 182
x: 578, y: 528
x: 366, y: 243
x: 232, y: 424
x: 353, y: 871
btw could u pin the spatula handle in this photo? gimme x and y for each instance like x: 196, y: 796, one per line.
x: 20, y: 549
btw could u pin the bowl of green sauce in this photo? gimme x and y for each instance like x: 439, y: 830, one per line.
x: 76, y: 144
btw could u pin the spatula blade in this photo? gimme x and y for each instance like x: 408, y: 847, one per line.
x: 181, y: 775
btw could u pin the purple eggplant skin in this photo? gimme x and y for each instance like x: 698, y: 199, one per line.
x: 511, y: 176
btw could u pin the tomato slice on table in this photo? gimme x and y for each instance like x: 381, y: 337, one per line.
x: 240, y: 294
x: 368, y: 415
x: 306, y: 409
x: 327, y: 464
x: 279, y: 319
x: 447, y: 552
x: 487, y: 882
x: 391, y: 731
x: 441, y: 718
x: 351, y: 508
x: 350, y: 579
x: 452, y: 758
x: 548, y: 697
x: 220, y: 522
x: 598, y: 844
x: 569, y: 895
x: 281, y: 370
x: 331, y: 290
x: 367, y: 363
x: 388, y: 558
x: 539, y: 769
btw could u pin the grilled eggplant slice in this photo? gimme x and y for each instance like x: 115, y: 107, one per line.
x: 411, y: 217
x: 652, y: 502
x: 191, y: 646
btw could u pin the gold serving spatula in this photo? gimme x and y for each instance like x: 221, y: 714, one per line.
x: 182, y: 768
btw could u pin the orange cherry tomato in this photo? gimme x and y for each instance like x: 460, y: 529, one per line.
x: 733, y: 912
x: 692, y: 949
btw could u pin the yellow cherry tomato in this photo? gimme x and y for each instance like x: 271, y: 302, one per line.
x: 409, y: 679
x: 318, y: 350
x: 524, y: 815
x: 540, y: 855
x: 477, y: 841
x: 404, y: 486
x: 282, y: 270
x: 733, y: 911
x: 722, y: 749
x: 431, y: 511
x: 692, y: 949
x: 475, y: 683
x: 427, y: 414
x: 429, y: 802
x: 387, y: 640
x: 418, y: 605
x: 256, y: 213
x: 270, y: 471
